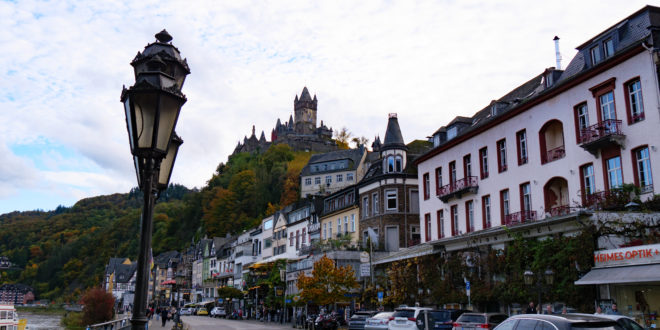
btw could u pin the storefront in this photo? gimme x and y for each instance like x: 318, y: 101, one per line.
x: 630, y: 278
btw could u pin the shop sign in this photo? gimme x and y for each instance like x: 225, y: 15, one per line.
x: 364, y: 256
x: 634, y: 255
x: 365, y: 270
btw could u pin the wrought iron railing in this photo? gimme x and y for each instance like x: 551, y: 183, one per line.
x: 519, y: 217
x: 560, y: 210
x: 554, y: 154
x: 458, y: 185
x: 602, y: 129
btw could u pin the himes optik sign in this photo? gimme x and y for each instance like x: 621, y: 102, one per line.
x: 634, y: 255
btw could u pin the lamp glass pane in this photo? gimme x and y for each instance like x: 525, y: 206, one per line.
x: 166, y: 165
x: 145, y: 114
x: 169, y: 111
x: 129, y: 122
x: 137, y: 164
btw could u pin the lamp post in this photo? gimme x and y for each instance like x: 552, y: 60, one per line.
x: 152, y: 107
x: 547, y: 277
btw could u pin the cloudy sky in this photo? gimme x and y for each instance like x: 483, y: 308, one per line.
x: 63, y: 63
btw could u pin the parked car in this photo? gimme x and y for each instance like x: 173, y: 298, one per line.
x: 440, y: 319
x: 358, y: 320
x: 558, y: 322
x: 378, y: 321
x: 624, y: 321
x: 186, y: 311
x: 202, y: 311
x: 218, y: 312
x: 405, y: 318
x: 474, y: 321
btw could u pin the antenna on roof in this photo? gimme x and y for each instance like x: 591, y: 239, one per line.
x: 557, y: 54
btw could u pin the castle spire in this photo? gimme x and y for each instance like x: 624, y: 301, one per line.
x: 252, y: 131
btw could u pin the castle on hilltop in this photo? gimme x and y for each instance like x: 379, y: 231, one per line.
x: 299, y: 132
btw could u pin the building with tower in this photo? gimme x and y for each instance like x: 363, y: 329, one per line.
x: 300, y: 132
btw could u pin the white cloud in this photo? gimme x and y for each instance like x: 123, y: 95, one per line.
x: 63, y: 64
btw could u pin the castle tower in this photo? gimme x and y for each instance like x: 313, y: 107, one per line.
x: 305, y: 113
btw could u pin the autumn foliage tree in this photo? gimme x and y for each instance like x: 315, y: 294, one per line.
x: 98, y: 306
x: 328, y: 283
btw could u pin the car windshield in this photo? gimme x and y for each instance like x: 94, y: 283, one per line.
x: 407, y: 313
x: 441, y: 316
x: 471, y: 318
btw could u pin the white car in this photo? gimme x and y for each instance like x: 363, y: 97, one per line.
x: 378, y: 321
x: 218, y: 312
x: 405, y: 318
x: 186, y: 311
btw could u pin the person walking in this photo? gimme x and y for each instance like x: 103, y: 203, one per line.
x: 599, y: 311
x: 614, y: 311
x: 163, y: 315
x: 531, y: 309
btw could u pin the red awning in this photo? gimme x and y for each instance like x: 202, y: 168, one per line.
x: 168, y: 282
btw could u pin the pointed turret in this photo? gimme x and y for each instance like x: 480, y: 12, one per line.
x: 304, y: 96
x: 375, y: 146
x: 252, y: 131
x: 393, y: 137
x: 305, y: 112
x: 262, y: 138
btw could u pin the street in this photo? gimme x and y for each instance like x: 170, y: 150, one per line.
x: 205, y: 322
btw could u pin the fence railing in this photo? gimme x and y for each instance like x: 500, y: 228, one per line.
x: 554, y: 154
x: 519, y: 217
x: 124, y: 323
x: 458, y: 185
x: 602, y: 129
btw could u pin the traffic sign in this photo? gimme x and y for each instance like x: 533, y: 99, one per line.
x: 380, y: 296
x: 365, y: 270
x: 364, y: 257
x: 288, y: 301
x: 467, y: 288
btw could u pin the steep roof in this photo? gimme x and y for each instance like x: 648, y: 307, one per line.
x: 353, y: 155
x: 123, y: 273
x: 305, y: 95
x: 393, y: 137
x: 163, y: 259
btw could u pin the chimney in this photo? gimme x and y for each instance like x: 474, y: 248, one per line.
x: 557, y: 54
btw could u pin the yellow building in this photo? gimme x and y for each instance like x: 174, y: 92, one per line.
x: 340, y: 216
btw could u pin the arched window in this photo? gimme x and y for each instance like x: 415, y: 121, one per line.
x: 399, y: 163
x: 555, y: 194
x: 390, y: 164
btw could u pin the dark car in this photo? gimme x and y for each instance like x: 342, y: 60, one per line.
x: 558, y: 322
x: 359, y: 319
x: 439, y: 318
x: 474, y: 321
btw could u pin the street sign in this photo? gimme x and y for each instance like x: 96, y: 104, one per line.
x: 365, y: 270
x: 288, y: 301
x: 364, y: 257
x: 296, y: 298
x: 467, y: 288
x: 380, y: 296
x: 220, y: 300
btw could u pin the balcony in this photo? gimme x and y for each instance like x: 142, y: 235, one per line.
x: 519, y: 217
x: 457, y: 189
x: 554, y: 154
x: 559, y: 211
x: 613, y: 199
x: 601, y: 135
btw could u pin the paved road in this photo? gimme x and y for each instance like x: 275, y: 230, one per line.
x: 208, y: 323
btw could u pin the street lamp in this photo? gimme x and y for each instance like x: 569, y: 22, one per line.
x: 548, y: 276
x: 152, y: 106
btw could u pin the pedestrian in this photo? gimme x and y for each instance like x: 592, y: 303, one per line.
x: 614, y: 310
x: 599, y: 311
x: 157, y: 313
x: 531, y: 309
x: 163, y: 315
x: 548, y: 310
x: 299, y: 317
x: 564, y: 311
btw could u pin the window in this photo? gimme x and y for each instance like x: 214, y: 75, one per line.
x: 352, y: 223
x: 614, y: 174
x: 504, y: 204
x: 338, y: 226
x: 390, y: 196
x: 365, y: 207
x: 399, y: 163
x: 376, y: 203
x: 345, y: 224
x: 329, y: 229
x: 454, y: 220
x: 349, y: 176
x: 483, y: 162
x: 340, y: 177
x: 297, y: 239
x: 608, y: 47
x: 501, y: 155
x: 642, y: 167
x: 581, y: 114
x: 467, y: 166
x: 608, y: 111
x: 427, y: 188
x: 588, y: 182
x: 522, y: 147
x: 438, y: 179
x: 526, y: 197
x: 304, y: 232
x: 390, y: 164
x: 452, y: 172
x: 441, y: 223
x: 427, y: 221
x: 469, y: 216
x: 308, y: 181
x: 325, y: 231
x: 317, y: 180
x: 634, y: 103
x: 451, y: 132
x: 328, y: 180
x: 485, y: 211
x: 291, y: 239
x: 595, y: 55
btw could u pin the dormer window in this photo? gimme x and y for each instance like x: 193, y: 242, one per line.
x: 451, y: 132
x: 548, y: 79
x: 595, y: 55
x: 608, y: 46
